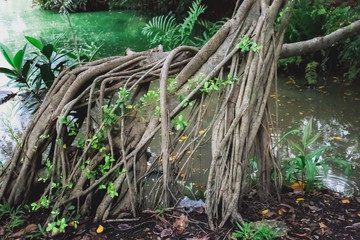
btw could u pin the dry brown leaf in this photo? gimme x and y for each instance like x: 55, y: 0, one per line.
x: 124, y: 226
x: 181, y: 223
x: 166, y: 232
x: 322, y: 225
x: 28, y: 229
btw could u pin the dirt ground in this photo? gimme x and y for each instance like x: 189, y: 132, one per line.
x: 321, y: 214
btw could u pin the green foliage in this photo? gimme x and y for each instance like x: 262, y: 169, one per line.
x: 307, y: 164
x: 14, y: 218
x: 39, y: 233
x: 216, y: 84
x: 255, y: 232
x: 64, y: 6
x: 210, y: 28
x: 165, y: 31
x: 179, y: 122
x: 246, y: 44
x: 313, y: 18
x: 310, y: 72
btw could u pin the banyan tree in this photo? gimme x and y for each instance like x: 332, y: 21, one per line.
x: 86, y: 146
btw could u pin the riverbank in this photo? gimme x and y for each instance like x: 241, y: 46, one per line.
x: 321, y: 214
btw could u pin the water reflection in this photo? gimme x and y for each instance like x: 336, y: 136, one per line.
x: 335, y: 109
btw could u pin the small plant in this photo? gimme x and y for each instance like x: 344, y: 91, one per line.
x: 307, y: 164
x: 310, y: 72
x: 253, y: 231
x: 179, y: 122
x: 14, y: 218
x: 246, y: 44
x: 164, y: 29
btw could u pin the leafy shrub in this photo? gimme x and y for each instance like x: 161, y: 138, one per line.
x: 255, y: 232
x: 164, y: 29
x: 307, y: 164
x: 313, y: 18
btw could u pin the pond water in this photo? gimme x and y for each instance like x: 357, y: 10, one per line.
x: 334, y: 105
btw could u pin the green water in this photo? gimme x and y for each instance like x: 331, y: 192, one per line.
x: 115, y: 31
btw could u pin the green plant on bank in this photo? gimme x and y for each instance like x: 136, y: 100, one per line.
x: 316, y: 18
x: 305, y: 166
x: 6, y: 119
x: 59, y: 224
x: 246, y: 44
x: 166, y: 31
x: 35, y: 72
x: 14, y: 218
x: 251, y: 231
x: 311, y: 73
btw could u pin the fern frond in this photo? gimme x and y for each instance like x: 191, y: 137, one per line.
x: 310, y: 72
x: 159, y: 25
x: 187, y: 26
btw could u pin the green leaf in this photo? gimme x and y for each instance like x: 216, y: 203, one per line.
x: 313, y: 139
x: 325, y: 168
x: 8, y: 71
x: 47, y: 75
x: 310, y: 172
x: 18, y: 59
x: 317, y: 153
x: 7, y: 54
x: 36, y: 43
x: 290, y: 172
x: 295, y: 146
x: 48, y: 50
x: 307, y: 133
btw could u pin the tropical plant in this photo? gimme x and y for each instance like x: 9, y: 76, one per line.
x: 307, y: 164
x: 164, y: 29
x: 14, y: 218
x: 252, y: 231
x: 310, y: 72
x: 35, y: 72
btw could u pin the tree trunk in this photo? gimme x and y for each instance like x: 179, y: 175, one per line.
x: 87, y: 143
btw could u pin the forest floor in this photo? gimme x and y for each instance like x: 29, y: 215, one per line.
x: 321, y: 214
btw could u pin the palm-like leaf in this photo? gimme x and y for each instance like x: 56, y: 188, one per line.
x: 159, y: 25
x: 194, y: 12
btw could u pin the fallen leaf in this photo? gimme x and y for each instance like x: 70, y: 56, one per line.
x: 199, y: 210
x: 124, y: 226
x: 345, y: 201
x: 358, y: 214
x: 28, y: 229
x: 100, y: 229
x: 201, y: 132
x: 184, y: 137
x: 301, y: 113
x: 166, y: 232
x: 181, y: 223
x: 322, y: 225
x: 280, y: 212
x: 299, y: 199
x: 264, y: 212
x: 298, y: 185
x: 335, y: 138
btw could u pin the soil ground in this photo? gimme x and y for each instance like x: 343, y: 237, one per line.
x: 321, y: 214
